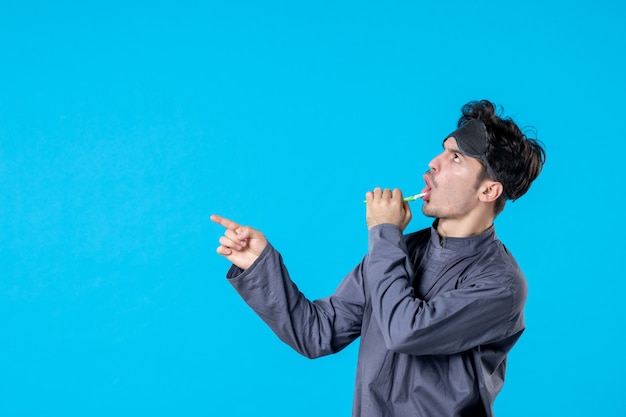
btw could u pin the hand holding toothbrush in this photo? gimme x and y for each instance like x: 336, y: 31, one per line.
x: 386, y: 206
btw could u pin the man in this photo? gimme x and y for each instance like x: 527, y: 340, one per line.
x: 437, y: 310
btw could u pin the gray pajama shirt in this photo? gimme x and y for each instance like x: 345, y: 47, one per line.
x: 436, y: 317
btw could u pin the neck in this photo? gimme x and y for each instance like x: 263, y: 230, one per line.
x: 463, y: 227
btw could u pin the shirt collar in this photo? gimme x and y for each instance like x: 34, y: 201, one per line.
x: 476, y: 242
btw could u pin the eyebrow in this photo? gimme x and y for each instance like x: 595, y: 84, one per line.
x: 452, y: 150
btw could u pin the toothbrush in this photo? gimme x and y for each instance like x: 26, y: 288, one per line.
x: 410, y: 198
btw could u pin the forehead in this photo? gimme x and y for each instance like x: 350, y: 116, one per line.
x: 450, y: 143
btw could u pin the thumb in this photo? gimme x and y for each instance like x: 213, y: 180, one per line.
x: 245, y: 232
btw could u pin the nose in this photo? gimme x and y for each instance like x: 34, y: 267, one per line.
x: 434, y: 163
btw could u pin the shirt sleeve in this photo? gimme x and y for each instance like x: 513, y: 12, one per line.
x: 312, y: 328
x: 480, y: 311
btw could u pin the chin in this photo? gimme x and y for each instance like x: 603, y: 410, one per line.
x: 428, y: 211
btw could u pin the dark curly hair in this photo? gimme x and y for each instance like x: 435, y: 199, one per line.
x: 515, y: 158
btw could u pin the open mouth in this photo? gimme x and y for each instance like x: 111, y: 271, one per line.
x: 427, y: 188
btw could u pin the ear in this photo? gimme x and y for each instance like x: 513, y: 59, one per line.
x: 490, y: 191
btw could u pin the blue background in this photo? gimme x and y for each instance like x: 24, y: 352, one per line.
x: 124, y: 125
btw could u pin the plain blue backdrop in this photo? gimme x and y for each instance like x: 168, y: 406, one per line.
x: 124, y: 125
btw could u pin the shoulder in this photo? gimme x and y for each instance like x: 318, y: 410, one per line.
x: 496, y: 266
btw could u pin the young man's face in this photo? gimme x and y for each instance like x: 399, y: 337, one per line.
x: 452, y: 184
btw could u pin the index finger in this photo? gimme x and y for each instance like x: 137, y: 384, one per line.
x: 223, y: 221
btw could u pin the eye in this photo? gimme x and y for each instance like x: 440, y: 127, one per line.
x: 456, y: 158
